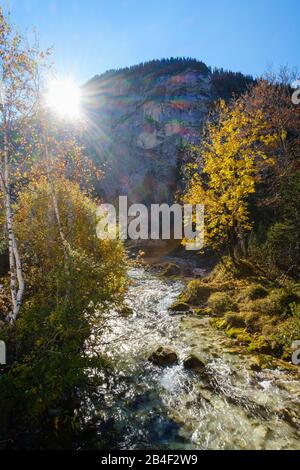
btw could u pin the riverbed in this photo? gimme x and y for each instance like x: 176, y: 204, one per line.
x: 143, y: 406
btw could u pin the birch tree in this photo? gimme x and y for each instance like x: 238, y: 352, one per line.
x: 17, y: 66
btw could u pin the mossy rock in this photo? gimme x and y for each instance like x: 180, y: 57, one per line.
x: 264, y: 306
x: 240, y: 334
x: 245, y: 268
x: 180, y: 307
x: 200, y: 312
x: 167, y: 269
x: 218, y: 323
x: 235, y: 320
x: 170, y: 269
x: 255, y: 291
x: 259, y: 344
x: 220, y: 302
x: 252, y: 320
x: 197, y: 293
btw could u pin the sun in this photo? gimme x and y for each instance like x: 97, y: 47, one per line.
x: 63, y: 97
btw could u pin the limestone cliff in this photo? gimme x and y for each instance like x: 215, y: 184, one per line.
x: 140, y: 118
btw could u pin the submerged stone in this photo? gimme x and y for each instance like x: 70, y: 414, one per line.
x: 126, y: 311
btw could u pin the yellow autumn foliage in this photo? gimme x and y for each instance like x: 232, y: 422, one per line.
x: 236, y: 149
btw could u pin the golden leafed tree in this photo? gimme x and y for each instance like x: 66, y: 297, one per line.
x: 236, y: 149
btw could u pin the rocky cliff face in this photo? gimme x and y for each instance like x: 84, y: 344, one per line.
x: 140, y: 119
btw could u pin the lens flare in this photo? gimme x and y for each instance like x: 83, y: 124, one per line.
x: 63, y: 97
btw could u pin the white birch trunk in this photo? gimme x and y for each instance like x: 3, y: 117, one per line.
x: 17, y: 282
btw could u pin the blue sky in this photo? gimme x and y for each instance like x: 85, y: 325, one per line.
x: 91, y: 36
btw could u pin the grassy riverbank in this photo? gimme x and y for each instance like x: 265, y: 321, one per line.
x: 260, y: 315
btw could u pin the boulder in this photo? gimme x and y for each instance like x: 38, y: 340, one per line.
x: 194, y: 363
x: 180, y: 307
x: 164, y: 356
x: 168, y: 269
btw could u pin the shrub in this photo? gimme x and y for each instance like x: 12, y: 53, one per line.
x: 47, y: 345
x: 282, y: 243
x: 282, y: 299
x: 287, y: 331
x: 278, y: 302
x: 295, y: 310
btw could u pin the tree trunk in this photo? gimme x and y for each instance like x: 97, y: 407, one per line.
x: 244, y: 246
x: 54, y: 197
x: 17, y: 282
x: 232, y: 253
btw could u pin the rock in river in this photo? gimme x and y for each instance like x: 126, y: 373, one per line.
x: 164, y: 356
x: 180, y: 307
x: 194, y: 363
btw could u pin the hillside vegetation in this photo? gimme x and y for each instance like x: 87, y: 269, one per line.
x: 246, y: 173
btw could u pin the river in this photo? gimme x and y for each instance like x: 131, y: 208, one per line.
x: 142, y: 406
